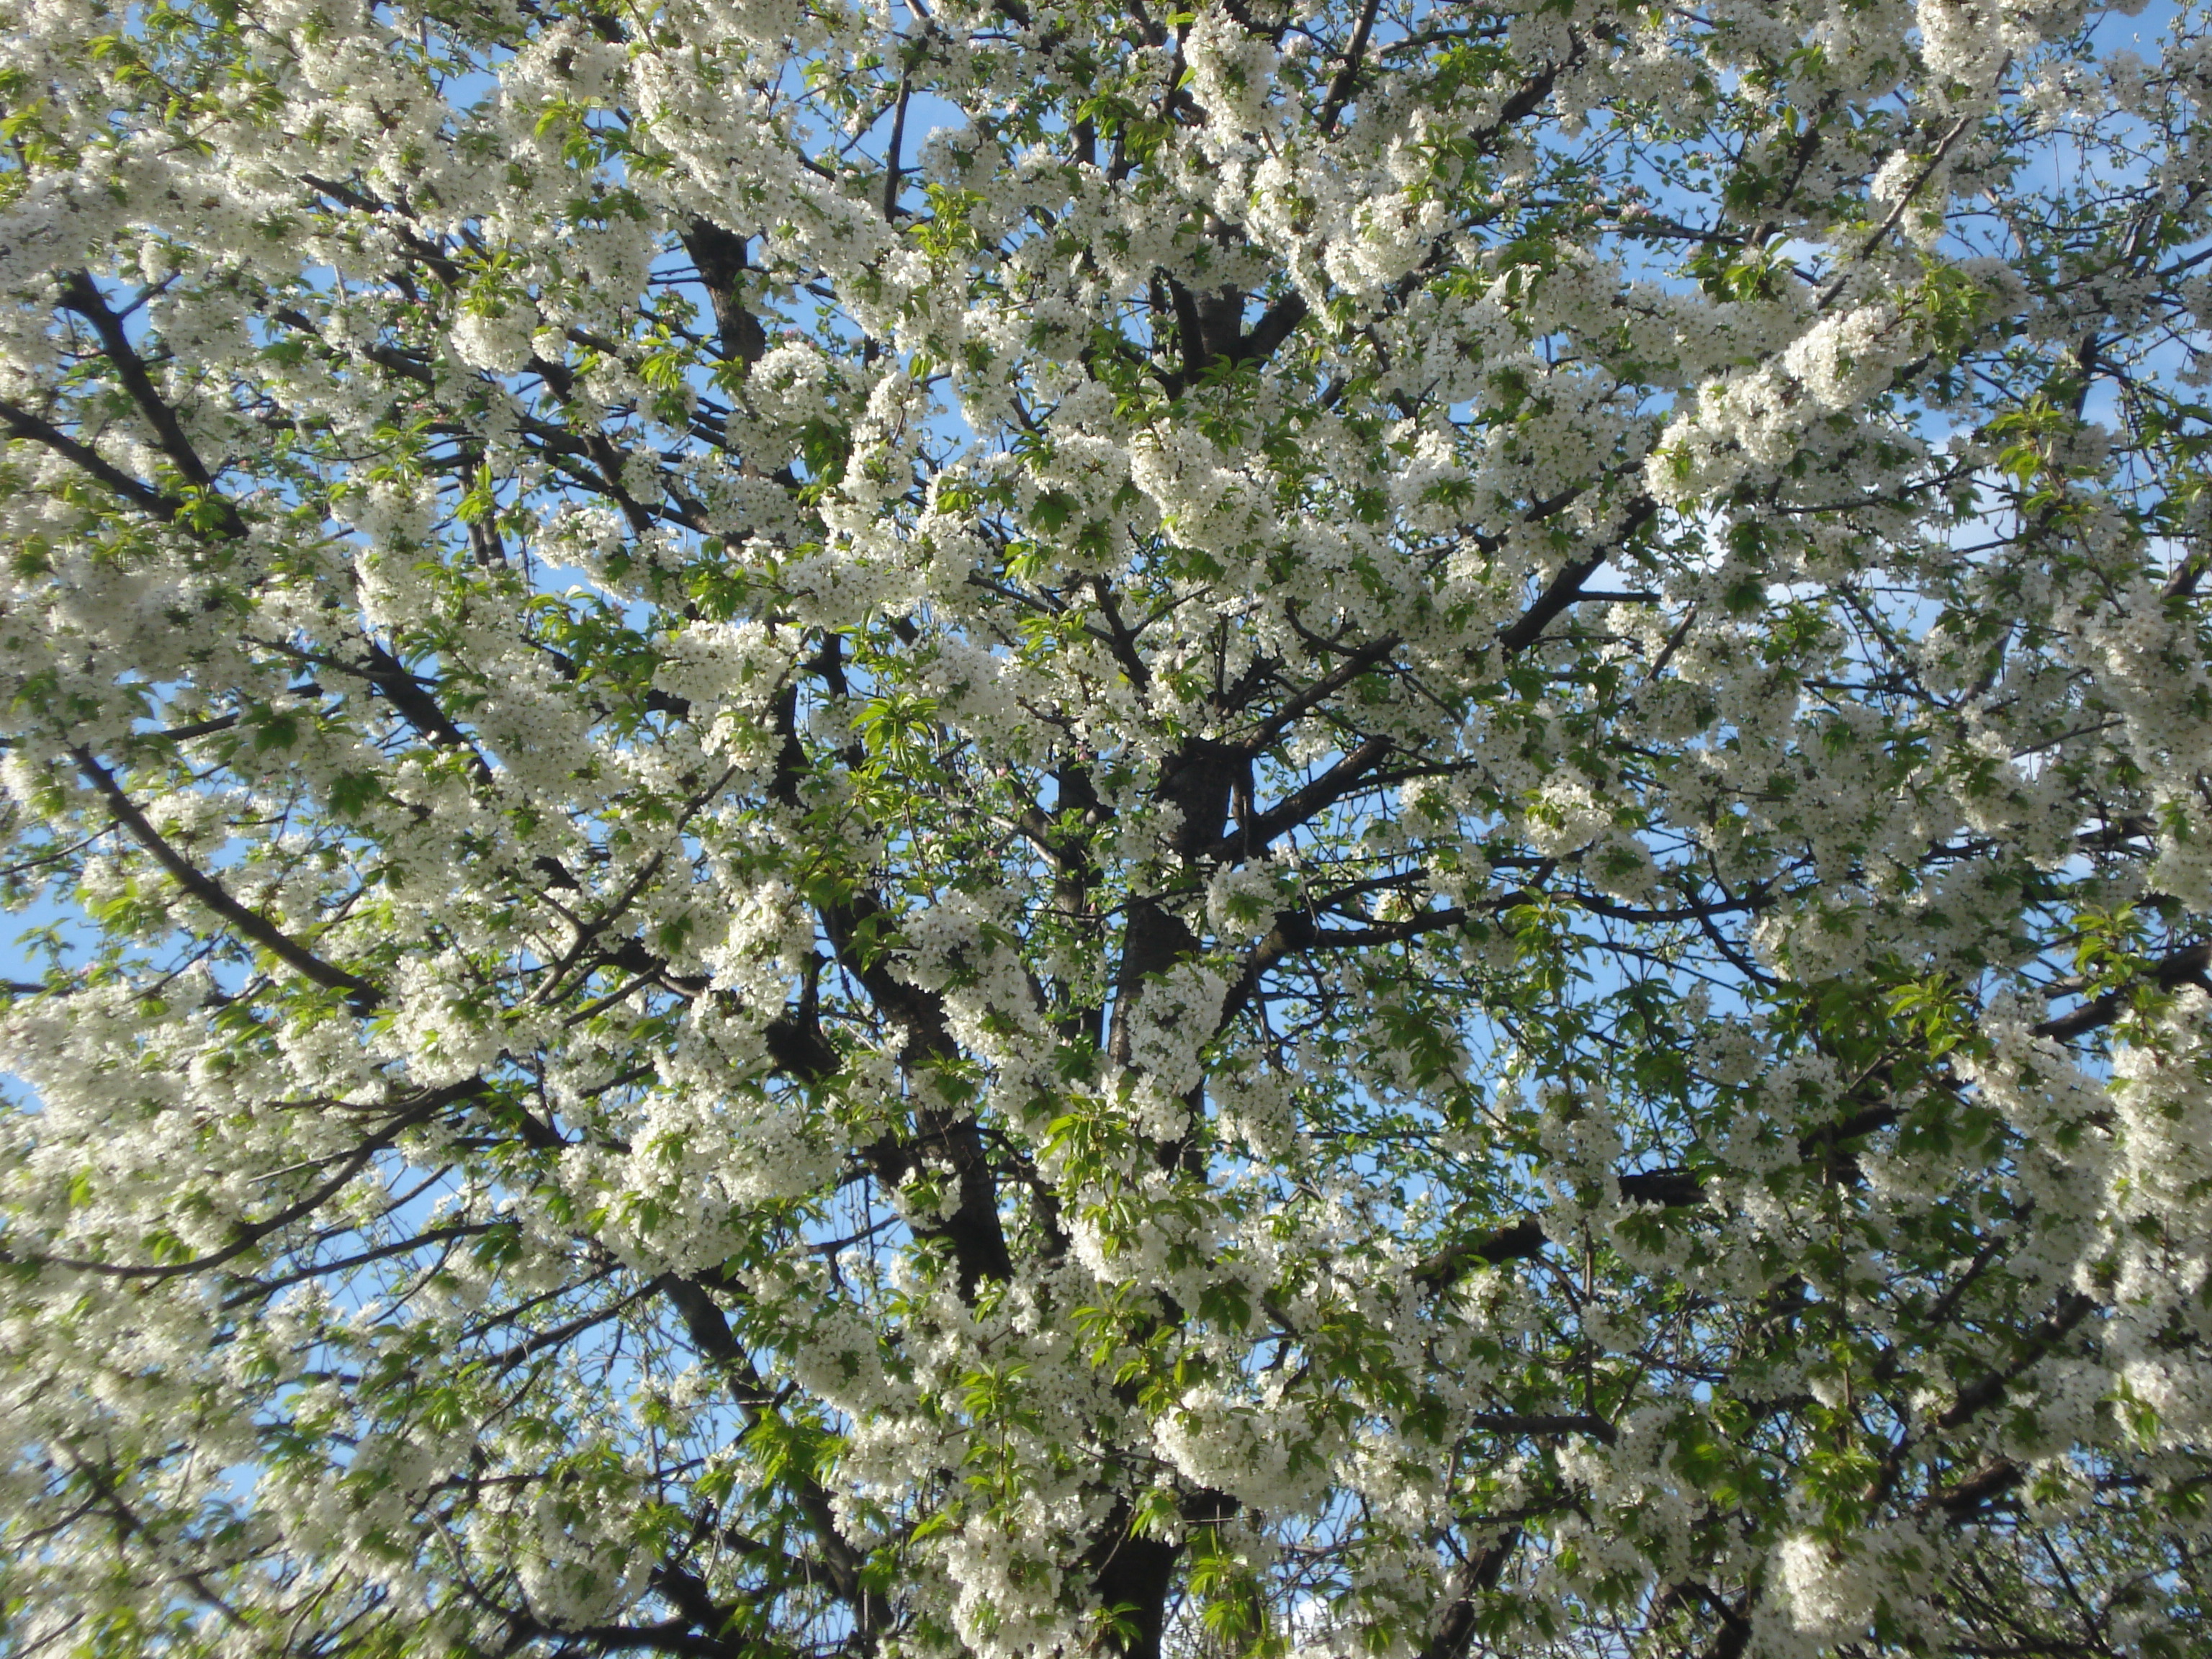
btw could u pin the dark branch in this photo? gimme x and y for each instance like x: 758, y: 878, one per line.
x: 213, y: 896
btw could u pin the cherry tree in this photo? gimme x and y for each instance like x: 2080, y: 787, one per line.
x: 1022, y: 827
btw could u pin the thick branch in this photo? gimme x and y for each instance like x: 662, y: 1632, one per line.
x: 213, y: 896
x: 1566, y: 588
x: 978, y: 1240
x: 720, y: 258
x: 1478, y: 1574
x: 1294, y: 708
x: 79, y: 295
x: 1302, y: 805
x: 708, y: 1328
x: 1348, y: 73
x: 2071, y: 1310
x: 2191, y: 967
x: 249, y: 1233
x: 21, y: 424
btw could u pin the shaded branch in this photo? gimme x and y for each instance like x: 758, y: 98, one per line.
x: 251, y: 1233
x: 212, y: 895
x: 1348, y: 73
x: 2192, y: 966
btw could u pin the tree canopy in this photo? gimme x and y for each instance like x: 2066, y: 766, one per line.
x: 1018, y: 827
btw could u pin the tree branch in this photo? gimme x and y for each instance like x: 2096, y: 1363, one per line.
x: 1566, y: 586
x: 21, y: 424
x: 80, y: 295
x: 1347, y: 72
x: 251, y: 1233
x: 2192, y: 966
x: 213, y: 896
